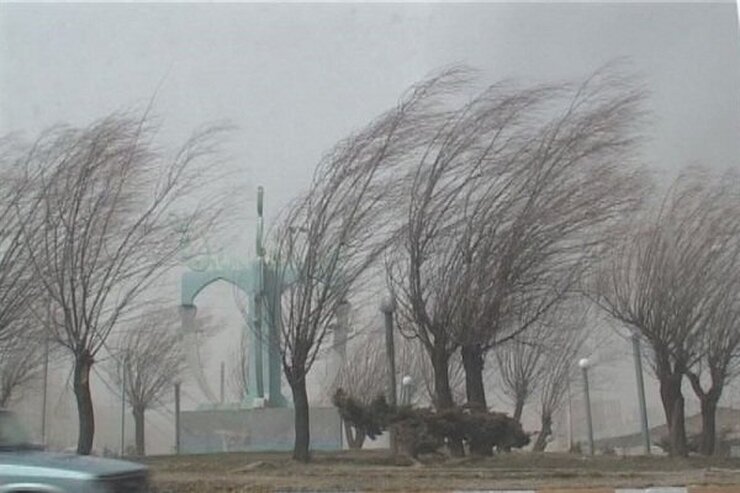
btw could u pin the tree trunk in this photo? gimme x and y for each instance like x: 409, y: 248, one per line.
x: 673, y: 406
x: 443, y: 393
x: 518, y: 409
x: 708, y: 424
x: 545, y: 431
x: 472, y: 357
x: 85, y: 414
x: 355, y: 436
x: 138, y: 413
x: 708, y: 400
x: 300, y: 407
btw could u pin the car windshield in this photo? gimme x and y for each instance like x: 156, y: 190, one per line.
x: 12, y: 433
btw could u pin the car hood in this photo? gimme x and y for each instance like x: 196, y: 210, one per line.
x: 87, y: 465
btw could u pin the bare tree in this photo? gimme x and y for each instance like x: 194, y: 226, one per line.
x: 149, y: 356
x: 551, y: 221
x: 328, y: 240
x: 17, y: 281
x: 540, y: 363
x: 666, y: 282
x: 719, y: 336
x: 558, y: 366
x: 521, y: 367
x: 21, y: 362
x: 363, y: 378
x: 720, y: 362
x: 431, y: 269
x: 515, y: 197
x: 413, y: 360
x: 108, y: 216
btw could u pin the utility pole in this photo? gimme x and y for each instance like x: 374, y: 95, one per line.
x: 223, y: 374
x: 177, y: 417
x: 388, y: 306
x: 587, y: 399
x: 45, y: 384
x: 641, y: 391
x: 123, y: 406
x: 570, y: 418
x: 45, y: 388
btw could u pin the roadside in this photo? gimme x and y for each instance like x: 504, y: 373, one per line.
x: 377, y: 471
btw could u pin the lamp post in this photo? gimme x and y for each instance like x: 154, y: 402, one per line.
x: 387, y: 306
x: 570, y: 419
x: 641, y: 391
x: 123, y: 405
x: 584, y: 364
x: 177, y: 417
x: 45, y: 386
x: 407, y: 390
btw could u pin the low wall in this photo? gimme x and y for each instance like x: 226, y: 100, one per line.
x: 254, y: 430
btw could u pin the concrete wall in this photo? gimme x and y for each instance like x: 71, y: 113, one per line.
x: 264, y: 429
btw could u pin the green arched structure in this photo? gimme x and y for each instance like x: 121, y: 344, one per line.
x: 259, y: 282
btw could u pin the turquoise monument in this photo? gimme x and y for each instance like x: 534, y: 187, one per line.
x: 258, y: 281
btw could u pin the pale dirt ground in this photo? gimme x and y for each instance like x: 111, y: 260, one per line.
x: 377, y: 471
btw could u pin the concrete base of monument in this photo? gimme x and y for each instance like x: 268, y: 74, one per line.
x: 226, y: 429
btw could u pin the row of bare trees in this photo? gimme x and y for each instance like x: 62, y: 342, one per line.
x: 484, y: 214
x: 674, y: 280
x: 488, y: 216
x: 331, y: 239
x: 540, y: 364
x: 90, y: 221
x: 491, y: 217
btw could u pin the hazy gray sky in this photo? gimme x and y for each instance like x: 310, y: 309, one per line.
x: 295, y: 78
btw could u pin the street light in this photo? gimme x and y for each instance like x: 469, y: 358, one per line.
x: 177, y: 417
x: 124, y: 370
x: 641, y: 390
x: 387, y: 306
x: 407, y: 390
x: 584, y: 364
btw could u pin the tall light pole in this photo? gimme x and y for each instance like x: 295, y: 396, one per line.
x: 584, y: 363
x: 45, y: 385
x: 570, y: 418
x: 407, y: 390
x: 641, y: 391
x: 223, y: 382
x: 388, y: 306
x: 177, y: 417
x: 123, y: 406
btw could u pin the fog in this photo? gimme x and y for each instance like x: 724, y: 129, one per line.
x: 295, y: 78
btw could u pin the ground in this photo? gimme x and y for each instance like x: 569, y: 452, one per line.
x: 378, y: 471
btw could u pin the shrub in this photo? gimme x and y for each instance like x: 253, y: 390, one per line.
x: 371, y: 419
x: 425, y: 430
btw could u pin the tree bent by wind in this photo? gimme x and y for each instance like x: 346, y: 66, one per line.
x: 674, y: 281
x: 107, y: 213
x: 149, y: 358
x: 329, y: 240
x: 518, y: 195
